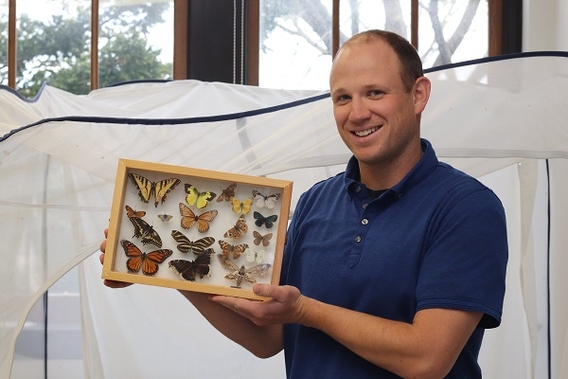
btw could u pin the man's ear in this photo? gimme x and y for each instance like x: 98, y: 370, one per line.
x: 421, y: 93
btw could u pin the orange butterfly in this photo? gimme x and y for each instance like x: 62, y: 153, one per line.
x: 147, y: 261
x: 238, y: 230
x: 235, y: 250
x: 132, y: 213
x: 188, y: 218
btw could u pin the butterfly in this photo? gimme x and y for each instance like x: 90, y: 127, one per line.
x: 165, y: 217
x: 235, y: 250
x: 199, y: 199
x: 145, y: 232
x: 267, y: 221
x: 185, y: 245
x: 238, y: 230
x: 189, y: 218
x: 228, y: 193
x: 259, y: 238
x: 254, y: 255
x: 188, y: 270
x: 268, y: 201
x: 242, y: 273
x: 147, y: 188
x: 132, y: 213
x: 147, y: 261
x: 242, y: 206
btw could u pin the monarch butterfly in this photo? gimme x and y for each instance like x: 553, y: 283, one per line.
x: 242, y: 206
x: 228, y: 193
x: 188, y: 270
x: 147, y: 261
x: 185, y: 245
x: 268, y: 201
x: 147, y: 188
x: 267, y: 221
x: 189, y: 218
x: 197, y: 198
x: 235, y: 250
x: 259, y: 238
x: 254, y: 255
x: 132, y: 213
x: 242, y: 273
x: 238, y: 230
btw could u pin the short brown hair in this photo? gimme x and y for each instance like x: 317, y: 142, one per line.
x: 410, y: 63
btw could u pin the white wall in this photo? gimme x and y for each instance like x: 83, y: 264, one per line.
x: 544, y: 26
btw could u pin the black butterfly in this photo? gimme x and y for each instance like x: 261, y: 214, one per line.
x: 267, y: 221
x: 185, y: 245
x: 142, y: 229
x: 189, y: 270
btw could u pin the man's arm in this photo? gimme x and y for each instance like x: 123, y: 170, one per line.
x: 262, y: 341
x: 426, y: 348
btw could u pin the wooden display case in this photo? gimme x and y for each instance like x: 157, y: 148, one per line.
x: 197, y: 230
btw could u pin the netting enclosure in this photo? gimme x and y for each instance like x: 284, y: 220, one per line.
x: 503, y: 121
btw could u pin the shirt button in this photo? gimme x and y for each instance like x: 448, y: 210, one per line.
x: 364, y: 221
x: 358, y: 239
x: 365, y: 206
x: 358, y: 189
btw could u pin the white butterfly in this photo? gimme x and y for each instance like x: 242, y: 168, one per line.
x: 254, y: 255
x: 268, y: 201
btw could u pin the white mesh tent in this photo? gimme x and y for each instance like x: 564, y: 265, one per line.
x: 502, y: 120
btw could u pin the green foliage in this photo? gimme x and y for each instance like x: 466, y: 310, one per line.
x: 58, y: 51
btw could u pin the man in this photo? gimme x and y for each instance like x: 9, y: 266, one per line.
x: 391, y: 269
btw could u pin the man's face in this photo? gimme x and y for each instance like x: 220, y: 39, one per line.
x: 376, y: 117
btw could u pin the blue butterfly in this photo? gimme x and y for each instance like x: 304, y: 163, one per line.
x: 267, y: 221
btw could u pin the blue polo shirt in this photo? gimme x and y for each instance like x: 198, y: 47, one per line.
x: 437, y: 239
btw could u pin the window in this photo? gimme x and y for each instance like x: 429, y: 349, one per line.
x: 289, y: 42
x: 54, y: 39
x: 296, y: 38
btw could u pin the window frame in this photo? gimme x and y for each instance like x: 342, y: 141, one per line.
x: 500, y: 32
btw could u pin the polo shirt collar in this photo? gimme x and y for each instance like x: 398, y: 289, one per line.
x: 425, y: 166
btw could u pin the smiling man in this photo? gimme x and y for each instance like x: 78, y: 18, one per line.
x: 393, y: 268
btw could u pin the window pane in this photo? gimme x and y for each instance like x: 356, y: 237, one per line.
x: 53, y: 45
x: 295, y: 44
x: 135, y: 40
x: 452, y: 31
x: 359, y: 15
x: 4, y: 42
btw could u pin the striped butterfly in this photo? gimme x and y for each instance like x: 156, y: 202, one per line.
x: 147, y: 188
x: 142, y: 229
x: 185, y: 245
x: 148, y: 262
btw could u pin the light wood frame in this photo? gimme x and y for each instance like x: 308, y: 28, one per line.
x: 126, y: 193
